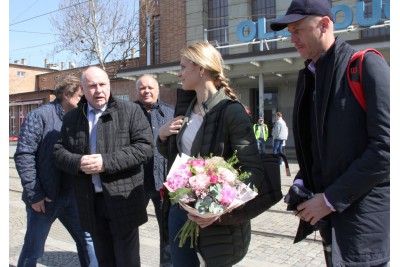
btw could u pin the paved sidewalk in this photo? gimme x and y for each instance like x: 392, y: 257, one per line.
x: 271, y: 244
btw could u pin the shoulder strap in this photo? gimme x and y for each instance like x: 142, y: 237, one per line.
x: 219, y: 138
x: 354, y: 75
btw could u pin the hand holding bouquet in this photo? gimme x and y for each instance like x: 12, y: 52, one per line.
x: 207, y: 188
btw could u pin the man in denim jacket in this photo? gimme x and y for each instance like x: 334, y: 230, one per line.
x: 47, y: 195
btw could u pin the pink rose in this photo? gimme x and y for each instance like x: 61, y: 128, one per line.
x: 228, y: 193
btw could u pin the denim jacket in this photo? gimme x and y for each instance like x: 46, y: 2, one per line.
x: 33, y: 157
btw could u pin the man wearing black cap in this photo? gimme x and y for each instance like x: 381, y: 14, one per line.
x: 343, y: 151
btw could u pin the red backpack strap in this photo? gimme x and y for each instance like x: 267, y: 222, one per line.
x: 354, y: 75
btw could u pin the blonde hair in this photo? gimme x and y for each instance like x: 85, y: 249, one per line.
x: 208, y: 57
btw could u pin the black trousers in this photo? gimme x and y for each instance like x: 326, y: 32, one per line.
x: 165, y: 250
x: 113, y: 250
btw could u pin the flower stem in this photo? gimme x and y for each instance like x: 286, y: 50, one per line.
x: 189, y: 229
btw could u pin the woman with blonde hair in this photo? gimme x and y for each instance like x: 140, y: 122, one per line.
x: 201, y: 116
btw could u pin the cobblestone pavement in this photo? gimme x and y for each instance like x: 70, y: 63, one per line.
x: 271, y: 243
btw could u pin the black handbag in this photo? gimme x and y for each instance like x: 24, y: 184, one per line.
x: 226, y: 245
x: 270, y: 162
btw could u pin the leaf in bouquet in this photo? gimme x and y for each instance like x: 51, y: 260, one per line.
x: 178, y: 194
x: 233, y: 160
x: 207, y: 201
x: 215, y: 208
x: 243, y: 176
x: 201, y: 206
x: 215, y: 191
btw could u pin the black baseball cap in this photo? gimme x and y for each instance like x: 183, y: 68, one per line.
x: 299, y: 9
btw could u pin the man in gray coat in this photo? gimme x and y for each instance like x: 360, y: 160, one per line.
x: 343, y: 150
x: 155, y: 170
x: 104, y: 143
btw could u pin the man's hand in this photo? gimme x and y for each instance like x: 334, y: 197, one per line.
x: 39, y: 206
x: 91, y: 164
x: 313, y: 210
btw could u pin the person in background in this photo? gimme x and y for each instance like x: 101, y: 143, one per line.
x: 284, y: 142
x: 104, y: 143
x: 155, y: 170
x: 343, y: 151
x: 193, y: 132
x: 261, y: 132
x: 48, y: 195
x: 279, y: 134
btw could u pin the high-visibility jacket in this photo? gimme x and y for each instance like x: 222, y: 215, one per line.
x: 258, y: 129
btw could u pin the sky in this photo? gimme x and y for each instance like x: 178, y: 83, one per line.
x: 30, y: 32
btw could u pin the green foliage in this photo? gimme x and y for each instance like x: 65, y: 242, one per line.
x: 176, y: 195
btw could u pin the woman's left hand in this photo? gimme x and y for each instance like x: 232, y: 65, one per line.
x: 202, y: 222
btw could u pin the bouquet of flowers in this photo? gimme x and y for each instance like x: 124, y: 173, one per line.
x: 206, y: 187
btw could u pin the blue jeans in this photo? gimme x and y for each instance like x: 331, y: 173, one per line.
x: 38, y: 227
x: 278, y: 148
x: 262, y: 146
x: 185, y: 256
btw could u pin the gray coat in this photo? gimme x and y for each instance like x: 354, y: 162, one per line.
x: 159, y: 114
x: 124, y: 139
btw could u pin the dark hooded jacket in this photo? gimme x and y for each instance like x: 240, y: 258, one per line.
x: 124, y: 140
x: 351, y: 153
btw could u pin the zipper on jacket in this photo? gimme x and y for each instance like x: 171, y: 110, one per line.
x: 316, y: 117
x: 86, y: 148
x: 298, y: 124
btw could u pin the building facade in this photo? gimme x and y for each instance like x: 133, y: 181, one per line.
x: 30, y: 87
x: 262, y: 65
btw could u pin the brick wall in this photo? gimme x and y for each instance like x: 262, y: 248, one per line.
x: 172, y: 29
x: 27, y: 83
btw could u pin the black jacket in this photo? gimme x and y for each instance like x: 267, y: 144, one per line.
x: 124, y: 139
x: 225, y: 242
x: 353, y: 152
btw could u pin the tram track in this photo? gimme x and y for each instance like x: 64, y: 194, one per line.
x: 253, y: 231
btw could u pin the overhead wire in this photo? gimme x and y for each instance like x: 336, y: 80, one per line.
x: 45, y: 14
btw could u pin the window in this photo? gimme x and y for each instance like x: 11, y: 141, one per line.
x: 56, y: 77
x: 123, y: 97
x: 156, y: 38
x: 218, y: 23
x: 264, y: 9
x: 384, y: 31
x: 21, y: 73
x: 11, y: 128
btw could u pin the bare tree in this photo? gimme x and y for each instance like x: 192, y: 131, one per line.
x: 99, y: 31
